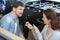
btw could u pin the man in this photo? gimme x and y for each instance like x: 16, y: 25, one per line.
x: 10, y: 21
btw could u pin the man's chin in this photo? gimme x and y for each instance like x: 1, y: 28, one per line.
x: 20, y: 15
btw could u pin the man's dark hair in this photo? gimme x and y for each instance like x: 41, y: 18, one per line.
x: 18, y: 3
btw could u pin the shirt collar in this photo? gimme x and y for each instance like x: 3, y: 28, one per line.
x: 13, y: 16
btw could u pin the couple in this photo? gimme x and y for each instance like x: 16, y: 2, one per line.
x: 51, y: 31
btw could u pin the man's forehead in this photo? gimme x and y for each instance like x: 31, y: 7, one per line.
x: 21, y: 7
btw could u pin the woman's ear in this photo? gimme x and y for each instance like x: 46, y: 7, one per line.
x: 49, y: 21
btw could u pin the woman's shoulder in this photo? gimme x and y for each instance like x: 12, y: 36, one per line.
x: 56, y: 33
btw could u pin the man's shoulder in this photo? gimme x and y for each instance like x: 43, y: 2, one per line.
x: 7, y: 17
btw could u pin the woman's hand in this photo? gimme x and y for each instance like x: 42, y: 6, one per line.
x: 29, y: 25
x: 37, y: 32
x: 36, y: 29
x: 32, y: 27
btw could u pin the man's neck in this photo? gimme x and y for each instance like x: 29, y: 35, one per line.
x: 14, y: 14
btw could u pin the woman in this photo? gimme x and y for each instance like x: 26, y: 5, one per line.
x: 51, y: 31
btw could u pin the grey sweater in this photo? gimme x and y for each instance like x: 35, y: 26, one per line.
x: 54, y: 35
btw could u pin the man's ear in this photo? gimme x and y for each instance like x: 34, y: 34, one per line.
x: 14, y: 9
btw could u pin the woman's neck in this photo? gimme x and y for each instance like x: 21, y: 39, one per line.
x: 49, y: 30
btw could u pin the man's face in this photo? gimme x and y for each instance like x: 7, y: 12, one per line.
x: 19, y: 11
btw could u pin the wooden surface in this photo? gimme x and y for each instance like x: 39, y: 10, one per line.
x: 14, y: 37
x: 30, y: 35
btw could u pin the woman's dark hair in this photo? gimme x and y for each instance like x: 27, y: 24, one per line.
x: 18, y: 3
x: 52, y: 15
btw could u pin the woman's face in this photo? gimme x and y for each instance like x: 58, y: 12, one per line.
x: 45, y: 20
